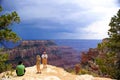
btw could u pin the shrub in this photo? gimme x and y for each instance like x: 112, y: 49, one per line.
x: 4, y: 66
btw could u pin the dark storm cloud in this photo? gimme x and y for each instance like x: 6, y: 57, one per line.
x: 42, y: 19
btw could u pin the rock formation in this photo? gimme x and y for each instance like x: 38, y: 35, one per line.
x: 61, y: 56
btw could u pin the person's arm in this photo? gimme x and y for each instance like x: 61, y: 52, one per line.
x: 16, y: 70
x: 46, y: 56
x: 24, y: 69
x: 42, y: 56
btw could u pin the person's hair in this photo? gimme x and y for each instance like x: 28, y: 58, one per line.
x: 20, y: 62
x: 37, y: 57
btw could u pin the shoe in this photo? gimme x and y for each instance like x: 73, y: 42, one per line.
x: 37, y: 72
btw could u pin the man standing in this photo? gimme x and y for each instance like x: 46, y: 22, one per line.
x: 44, y: 59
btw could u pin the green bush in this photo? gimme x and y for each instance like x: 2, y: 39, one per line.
x: 107, y: 65
x: 85, y: 71
x: 4, y: 66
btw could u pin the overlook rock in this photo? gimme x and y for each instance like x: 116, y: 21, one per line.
x: 51, y: 73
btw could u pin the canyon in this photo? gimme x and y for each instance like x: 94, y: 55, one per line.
x: 61, y: 56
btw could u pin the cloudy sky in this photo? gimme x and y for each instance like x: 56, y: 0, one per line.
x: 62, y: 19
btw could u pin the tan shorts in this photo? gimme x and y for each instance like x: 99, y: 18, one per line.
x: 44, y: 61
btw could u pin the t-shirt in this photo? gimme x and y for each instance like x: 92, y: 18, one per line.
x: 44, y: 56
x: 20, y: 69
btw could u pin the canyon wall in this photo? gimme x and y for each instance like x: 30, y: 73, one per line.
x: 62, y: 56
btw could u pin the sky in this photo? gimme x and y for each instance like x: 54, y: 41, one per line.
x: 62, y: 19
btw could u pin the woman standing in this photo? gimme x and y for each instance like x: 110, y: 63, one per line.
x: 44, y: 59
x: 38, y: 59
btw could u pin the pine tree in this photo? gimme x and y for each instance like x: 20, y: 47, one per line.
x: 114, y: 39
x: 114, y: 34
x: 6, y: 21
x: 110, y: 64
x: 6, y: 34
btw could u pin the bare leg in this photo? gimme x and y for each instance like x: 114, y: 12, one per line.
x: 38, y: 69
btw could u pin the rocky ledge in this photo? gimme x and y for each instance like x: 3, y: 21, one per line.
x: 51, y: 73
